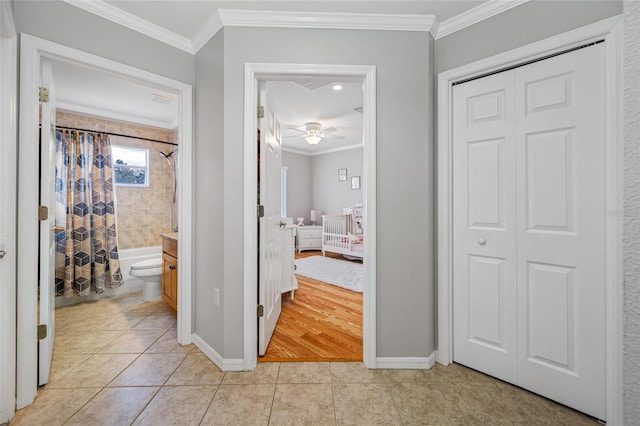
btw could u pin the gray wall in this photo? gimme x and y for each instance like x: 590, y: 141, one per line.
x: 299, y: 185
x: 208, y: 177
x: 522, y: 25
x: 632, y: 214
x: 71, y: 26
x: 330, y: 196
x: 405, y: 308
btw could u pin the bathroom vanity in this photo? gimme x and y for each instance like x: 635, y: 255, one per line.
x: 170, y: 269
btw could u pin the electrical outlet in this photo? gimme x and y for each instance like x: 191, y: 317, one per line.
x: 216, y: 297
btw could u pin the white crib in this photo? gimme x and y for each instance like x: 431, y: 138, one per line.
x: 339, y: 236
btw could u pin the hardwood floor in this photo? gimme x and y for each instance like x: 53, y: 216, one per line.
x: 322, y: 323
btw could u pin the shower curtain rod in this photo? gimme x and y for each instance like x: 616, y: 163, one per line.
x: 116, y: 134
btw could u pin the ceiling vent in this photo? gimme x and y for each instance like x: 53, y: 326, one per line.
x: 160, y: 99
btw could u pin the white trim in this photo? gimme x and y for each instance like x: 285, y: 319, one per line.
x: 133, y: 22
x: 206, y: 33
x: 8, y: 174
x: 611, y: 31
x: 32, y: 49
x: 325, y: 20
x: 325, y: 151
x: 479, y: 13
x: 411, y: 363
x: 294, y: 19
x: 222, y: 363
x: 253, y: 72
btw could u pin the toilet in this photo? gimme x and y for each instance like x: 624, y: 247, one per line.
x: 149, y: 271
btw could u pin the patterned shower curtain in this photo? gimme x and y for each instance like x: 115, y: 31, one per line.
x: 87, y: 249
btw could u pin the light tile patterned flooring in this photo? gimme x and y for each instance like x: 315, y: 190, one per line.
x: 116, y: 362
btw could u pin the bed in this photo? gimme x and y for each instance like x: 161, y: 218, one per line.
x: 342, y: 233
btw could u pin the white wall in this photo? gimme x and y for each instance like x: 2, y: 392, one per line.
x: 632, y: 213
x: 405, y: 304
x: 299, y: 185
x: 330, y: 196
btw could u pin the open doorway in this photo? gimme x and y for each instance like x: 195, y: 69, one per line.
x: 319, y: 125
x: 365, y: 77
x: 35, y: 54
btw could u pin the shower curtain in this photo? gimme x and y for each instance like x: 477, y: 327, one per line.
x: 86, y: 245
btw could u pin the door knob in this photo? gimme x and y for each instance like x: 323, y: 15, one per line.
x: 2, y: 254
x: 482, y: 241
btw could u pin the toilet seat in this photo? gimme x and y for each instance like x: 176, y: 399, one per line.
x: 147, y: 264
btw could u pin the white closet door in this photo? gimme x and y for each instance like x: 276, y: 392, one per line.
x: 528, y: 203
x: 561, y: 228
x: 485, y: 225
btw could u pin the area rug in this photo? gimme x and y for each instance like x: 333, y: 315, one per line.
x: 337, y: 272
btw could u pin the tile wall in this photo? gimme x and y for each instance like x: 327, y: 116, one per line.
x: 142, y: 213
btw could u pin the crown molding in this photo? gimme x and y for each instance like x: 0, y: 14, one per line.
x: 114, y: 115
x: 473, y: 16
x: 325, y: 20
x: 133, y: 22
x: 211, y: 28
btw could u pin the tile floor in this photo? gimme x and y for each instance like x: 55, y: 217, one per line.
x: 116, y: 362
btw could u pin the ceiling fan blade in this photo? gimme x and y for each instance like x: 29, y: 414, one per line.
x: 293, y: 136
x: 330, y: 130
x: 297, y: 130
x: 332, y: 137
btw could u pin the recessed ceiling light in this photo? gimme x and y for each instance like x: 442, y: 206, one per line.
x: 337, y: 87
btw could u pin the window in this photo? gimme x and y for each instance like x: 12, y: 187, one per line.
x: 283, y: 192
x: 130, y: 166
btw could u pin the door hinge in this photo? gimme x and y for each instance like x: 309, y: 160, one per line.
x: 42, y: 331
x: 43, y: 212
x: 43, y: 94
x: 260, y: 111
x: 260, y: 311
x: 260, y: 210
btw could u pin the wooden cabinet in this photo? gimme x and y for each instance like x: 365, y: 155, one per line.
x: 170, y: 271
x: 289, y: 281
x: 309, y: 237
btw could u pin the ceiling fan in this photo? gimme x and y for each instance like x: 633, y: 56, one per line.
x: 313, y: 133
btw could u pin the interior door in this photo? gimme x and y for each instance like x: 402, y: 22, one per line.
x: 47, y: 227
x: 485, y: 226
x: 529, y: 227
x: 270, y: 248
x: 561, y: 228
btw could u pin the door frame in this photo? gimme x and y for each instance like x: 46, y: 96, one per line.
x: 274, y: 71
x: 8, y: 194
x: 609, y: 30
x: 32, y: 50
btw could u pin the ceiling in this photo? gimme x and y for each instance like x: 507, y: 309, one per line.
x: 188, y: 24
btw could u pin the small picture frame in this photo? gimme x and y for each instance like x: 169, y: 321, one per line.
x: 342, y: 175
x: 355, y: 182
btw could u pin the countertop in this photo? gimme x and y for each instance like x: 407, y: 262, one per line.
x: 170, y: 236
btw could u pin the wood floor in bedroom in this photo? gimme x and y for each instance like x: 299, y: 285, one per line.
x: 322, y: 323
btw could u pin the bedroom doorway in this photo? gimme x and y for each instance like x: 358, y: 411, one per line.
x: 362, y: 77
x: 318, y: 126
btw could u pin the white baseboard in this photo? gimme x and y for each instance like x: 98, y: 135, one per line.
x: 414, y: 363
x: 216, y: 358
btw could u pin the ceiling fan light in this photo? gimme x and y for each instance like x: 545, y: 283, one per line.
x: 312, y: 139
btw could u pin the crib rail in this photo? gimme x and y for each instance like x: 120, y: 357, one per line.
x: 335, y: 233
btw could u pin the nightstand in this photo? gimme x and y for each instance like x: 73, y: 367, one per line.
x: 309, y: 237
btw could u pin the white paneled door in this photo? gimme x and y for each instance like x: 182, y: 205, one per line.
x: 270, y: 269
x: 529, y: 227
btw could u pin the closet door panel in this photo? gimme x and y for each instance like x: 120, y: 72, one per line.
x: 484, y: 226
x: 560, y: 212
